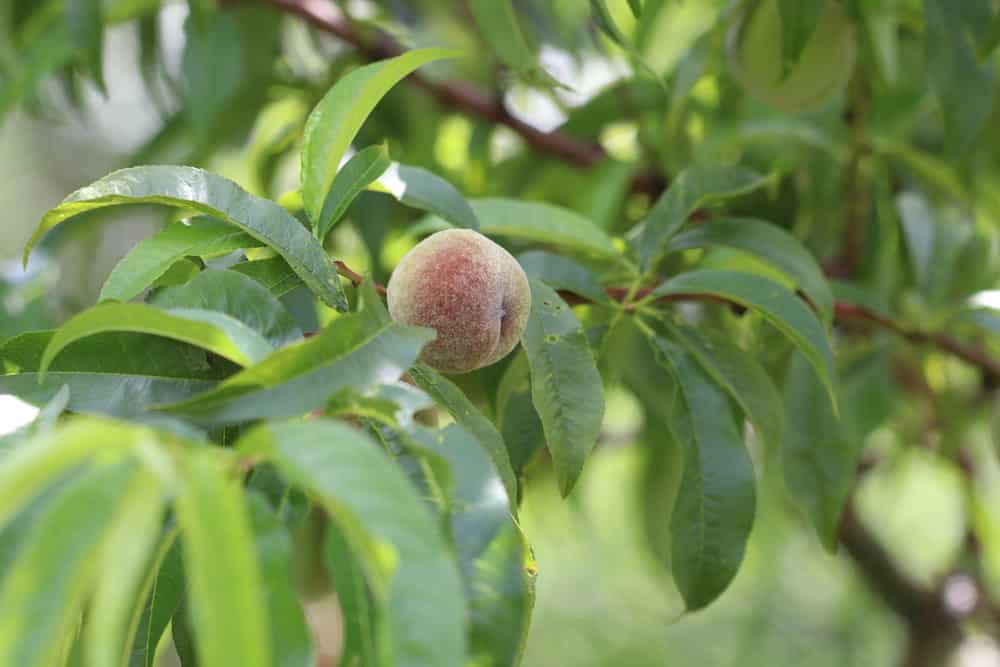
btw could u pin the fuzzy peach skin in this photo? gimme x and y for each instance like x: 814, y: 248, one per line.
x: 468, y: 289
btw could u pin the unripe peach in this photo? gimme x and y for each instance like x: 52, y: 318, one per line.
x: 467, y: 288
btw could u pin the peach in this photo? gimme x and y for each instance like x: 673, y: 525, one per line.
x: 467, y: 288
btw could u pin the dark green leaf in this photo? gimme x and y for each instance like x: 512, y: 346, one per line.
x: 361, y: 633
x: 142, y: 371
x: 212, y: 68
x: 150, y: 259
x: 964, y: 87
x: 274, y: 274
x: 798, y: 21
x: 775, y: 303
x: 237, y: 295
x: 86, y: 30
x: 302, y: 376
x: 739, y: 374
x: 425, y: 190
x: 565, y: 385
x: 695, y: 187
x: 187, y: 187
x: 358, y: 173
x: 561, y: 273
x: 768, y: 242
x: 714, y: 509
x: 339, y: 115
x: 340, y: 467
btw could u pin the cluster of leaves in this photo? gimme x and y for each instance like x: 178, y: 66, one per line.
x: 254, y: 456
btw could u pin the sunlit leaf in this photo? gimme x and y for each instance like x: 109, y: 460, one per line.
x: 190, y: 188
x: 339, y: 115
x: 358, y: 173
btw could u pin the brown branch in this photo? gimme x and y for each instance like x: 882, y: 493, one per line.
x: 324, y: 15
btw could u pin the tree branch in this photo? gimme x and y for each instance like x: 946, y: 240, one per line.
x: 324, y: 15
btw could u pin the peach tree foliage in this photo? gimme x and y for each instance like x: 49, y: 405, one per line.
x: 238, y: 427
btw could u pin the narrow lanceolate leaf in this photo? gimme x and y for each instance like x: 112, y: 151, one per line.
x: 142, y: 371
x: 226, y: 592
x: 360, y: 642
x: 358, y: 173
x: 820, y: 452
x: 714, y: 509
x: 409, y: 565
x: 561, y: 273
x: 237, y: 295
x: 538, y: 222
x: 425, y: 190
x: 799, y: 19
x: 739, y: 373
x: 162, y: 592
x: 301, y: 377
x: 696, y: 186
x: 775, y: 303
x: 218, y: 333
x: 768, y: 242
x: 565, y: 385
x: 291, y: 643
x: 191, y: 188
x: 86, y: 30
x: 44, y: 591
x: 497, y: 23
x: 339, y: 115
x: 964, y: 87
x: 151, y: 258
x: 452, y: 399
x: 124, y: 554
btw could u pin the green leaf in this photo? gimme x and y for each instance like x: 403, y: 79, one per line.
x: 215, y: 332
x: 517, y: 419
x: 212, y: 68
x: 339, y: 115
x: 820, y: 452
x: 964, y: 87
x: 151, y: 258
x: 274, y: 274
x: 237, y: 295
x: 565, y: 385
x: 163, y: 592
x: 291, y: 643
x: 497, y: 23
x: 191, y: 188
x: 301, y: 377
x: 122, y: 564
x: 425, y: 190
x: 697, y: 186
x: 368, y: 496
x: 86, y: 30
x: 561, y: 273
x: 461, y: 409
x: 714, y: 509
x: 229, y: 612
x: 636, y: 7
x: 769, y: 242
x: 539, y: 222
x: 358, y: 173
x: 44, y: 591
x: 739, y: 374
x: 775, y: 303
x: 142, y: 371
